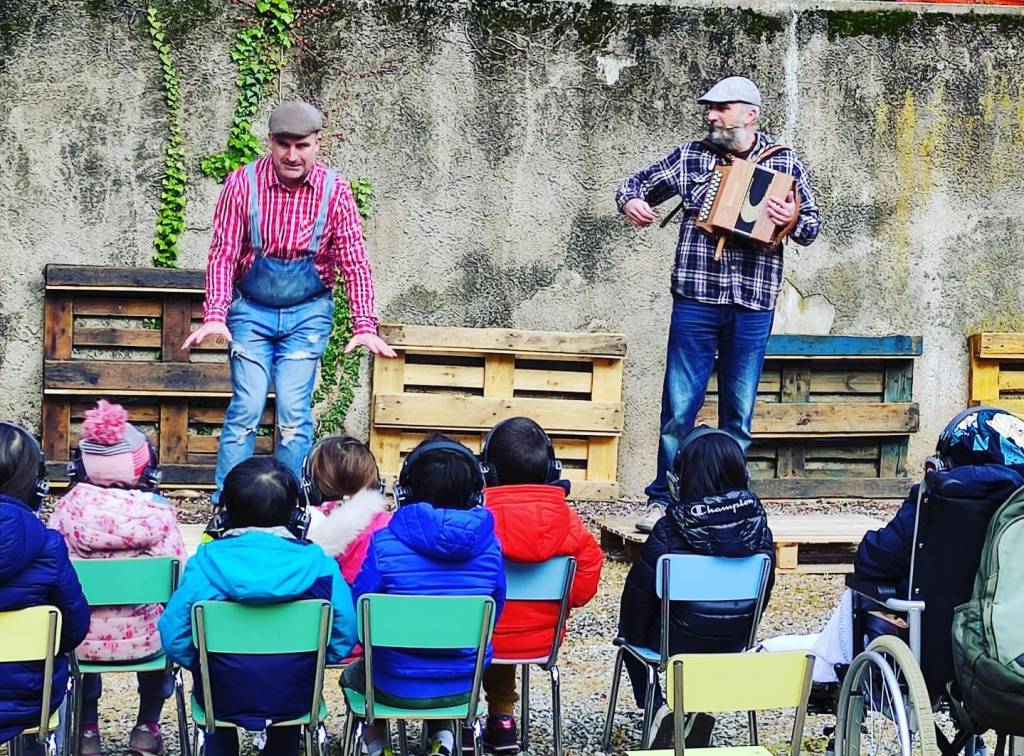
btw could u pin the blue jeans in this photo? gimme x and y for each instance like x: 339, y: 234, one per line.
x: 277, y: 346
x: 698, y: 331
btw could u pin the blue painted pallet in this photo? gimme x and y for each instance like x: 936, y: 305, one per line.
x: 844, y: 347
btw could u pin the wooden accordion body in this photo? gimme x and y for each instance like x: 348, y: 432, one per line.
x: 737, y: 199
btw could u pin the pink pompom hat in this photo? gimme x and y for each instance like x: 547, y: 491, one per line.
x: 114, y: 452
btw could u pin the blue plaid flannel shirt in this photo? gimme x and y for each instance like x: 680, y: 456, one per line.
x: 747, y: 275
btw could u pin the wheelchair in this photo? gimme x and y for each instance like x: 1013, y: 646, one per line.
x: 898, y: 696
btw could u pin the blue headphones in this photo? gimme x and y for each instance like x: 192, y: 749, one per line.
x: 553, y: 472
x: 405, y: 493
x: 698, y: 431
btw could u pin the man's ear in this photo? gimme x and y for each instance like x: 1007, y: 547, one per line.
x: 752, y: 115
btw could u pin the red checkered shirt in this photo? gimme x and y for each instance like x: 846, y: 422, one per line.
x: 286, y: 223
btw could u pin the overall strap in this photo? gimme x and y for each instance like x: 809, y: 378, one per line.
x: 773, y: 150
x: 321, y: 217
x: 254, y: 210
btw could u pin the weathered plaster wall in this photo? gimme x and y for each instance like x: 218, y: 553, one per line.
x: 495, y: 133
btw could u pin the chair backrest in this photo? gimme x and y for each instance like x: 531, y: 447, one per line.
x: 225, y: 627
x: 137, y: 580
x: 33, y: 634
x: 550, y: 580
x: 695, y: 577
x: 741, y: 682
x: 396, y: 621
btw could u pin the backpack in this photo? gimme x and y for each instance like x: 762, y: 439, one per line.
x: 988, y: 631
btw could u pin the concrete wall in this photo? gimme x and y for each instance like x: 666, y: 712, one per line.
x: 495, y: 134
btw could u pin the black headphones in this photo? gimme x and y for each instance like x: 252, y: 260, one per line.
x: 149, y: 479
x: 41, y: 486
x: 310, y: 488
x: 698, y: 431
x: 553, y: 472
x: 403, y: 490
x: 941, y: 459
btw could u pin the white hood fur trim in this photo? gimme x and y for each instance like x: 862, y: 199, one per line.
x: 336, y: 532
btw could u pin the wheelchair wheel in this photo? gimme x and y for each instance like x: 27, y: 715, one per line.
x: 884, y: 708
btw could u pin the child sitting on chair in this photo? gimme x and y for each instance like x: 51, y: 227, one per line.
x: 439, y: 542
x: 113, y: 511
x: 34, y: 571
x: 340, y: 481
x: 715, y: 514
x: 261, y: 558
x: 534, y: 523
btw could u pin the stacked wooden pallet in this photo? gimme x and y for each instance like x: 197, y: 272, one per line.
x: 462, y: 381
x: 116, y: 334
x: 997, y: 371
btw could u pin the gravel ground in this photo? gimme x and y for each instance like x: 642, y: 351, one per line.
x: 799, y: 604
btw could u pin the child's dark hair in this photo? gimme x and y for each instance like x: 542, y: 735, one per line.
x: 444, y: 478
x: 711, y: 464
x: 19, y: 463
x: 518, y: 450
x: 259, y: 492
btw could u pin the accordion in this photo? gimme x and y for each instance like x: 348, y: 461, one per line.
x: 736, y: 203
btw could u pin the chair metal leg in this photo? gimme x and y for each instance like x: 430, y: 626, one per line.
x: 556, y: 709
x: 403, y: 739
x: 478, y: 738
x: 458, y: 738
x: 652, y: 680
x: 524, y: 704
x: 179, y: 702
x: 613, y: 697
x: 307, y: 737
x: 346, y: 735
x: 14, y: 747
x: 752, y: 724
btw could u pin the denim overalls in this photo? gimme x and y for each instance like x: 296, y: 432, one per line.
x: 280, y: 321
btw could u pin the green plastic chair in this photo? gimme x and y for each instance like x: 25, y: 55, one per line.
x: 32, y: 635
x: 390, y: 621
x: 224, y: 627
x: 126, y: 582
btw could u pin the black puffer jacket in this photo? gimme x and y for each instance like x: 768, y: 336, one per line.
x: 732, y: 524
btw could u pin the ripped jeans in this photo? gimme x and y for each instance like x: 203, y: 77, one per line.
x: 277, y: 346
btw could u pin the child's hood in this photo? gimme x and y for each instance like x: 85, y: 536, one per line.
x: 451, y: 535
x: 258, y: 567
x: 347, y: 520
x: 732, y: 523
x: 531, y: 521
x: 97, y: 520
x: 22, y: 537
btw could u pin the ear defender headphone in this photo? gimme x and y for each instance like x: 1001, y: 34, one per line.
x: 311, y: 492
x: 41, y: 486
x: 298, y: 523
x: 941, y: 459
x: 405, y: 493
x: 149, y: 478
x: 698, y: 431
x: 553, y: 472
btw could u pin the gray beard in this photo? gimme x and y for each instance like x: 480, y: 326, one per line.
x: 730, y: 138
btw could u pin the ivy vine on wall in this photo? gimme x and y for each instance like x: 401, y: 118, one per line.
x: 170, y: 221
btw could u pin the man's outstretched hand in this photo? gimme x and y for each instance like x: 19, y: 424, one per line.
x: 205, y: 331
x: 639, y: 212
x: 371, y: 341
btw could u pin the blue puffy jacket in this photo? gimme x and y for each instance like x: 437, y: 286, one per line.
x: 35, y: 570
x: 258, y: 567
x: 428, y: 551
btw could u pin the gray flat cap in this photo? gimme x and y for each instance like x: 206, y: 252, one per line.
x: 297, y: 118
x: 733, y: 89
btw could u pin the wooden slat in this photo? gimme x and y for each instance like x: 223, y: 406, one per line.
x: 209, y: 444
x: 998, y: 345
x: 830, y: 488
x: 56, y: 438
x: 499, y: 376
x: 771, y: 381
x: 847, y: 382
x: 983, y: 379
x: 603, y: 458
x: 175, y: 328
x: 864, y: 418
x: 444, y: 376
x: 555, y: 381
x: 173, y: 444
x: 111, y: 307
x: 57, y: 327
x: 137, y: 413
x: 1011, y: 380
x: 512, y: 341
x: 842, y: 347
x: 478, y: 413
x: 215, y: 415
x: 137, y: 377
x: 124, y: 338
x: 892, y: 457
x: 105, y: 278
x: 1016, y: 406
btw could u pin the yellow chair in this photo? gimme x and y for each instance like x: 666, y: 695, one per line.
x: 28, y: 635
x: 713, y: 683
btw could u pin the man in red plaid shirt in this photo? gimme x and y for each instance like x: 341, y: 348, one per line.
x: 284, y: 228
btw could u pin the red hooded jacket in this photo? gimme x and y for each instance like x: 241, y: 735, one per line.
x: 533, y: 524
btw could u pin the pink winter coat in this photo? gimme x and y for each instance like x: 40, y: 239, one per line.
x: 345, y: 531
x: 107, y: 523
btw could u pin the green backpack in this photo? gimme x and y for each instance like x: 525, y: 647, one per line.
x: 988, y: 631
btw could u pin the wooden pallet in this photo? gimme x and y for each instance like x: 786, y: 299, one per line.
x: 116, y: 334
x: 833, y: 416
x: 462, y: 381
x: 997, y: 371
x: 812, y: 543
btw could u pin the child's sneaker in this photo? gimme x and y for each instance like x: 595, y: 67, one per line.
x: 146, y: 740
x: 500, y: 734
x: 89, y: 741
x: 438, y: 749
